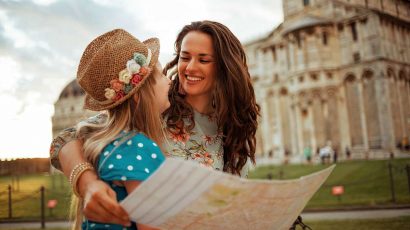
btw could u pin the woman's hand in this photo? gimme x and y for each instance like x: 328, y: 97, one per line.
x: 100, y: 202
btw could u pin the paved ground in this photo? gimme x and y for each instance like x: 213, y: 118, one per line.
x: 367, y: 214
x: 36, y: 225
x: 330, y: 215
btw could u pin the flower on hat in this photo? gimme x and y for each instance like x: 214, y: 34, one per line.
x: 119, y: 95
x: 116, y: 85
x: 109, y: 93
x: 125, y: 76
x: 143, y: 71
x: 135, y: 71
x: 133, y: 66
x: 136, y: 78
x: 127, y: 88
x: 140, y: 59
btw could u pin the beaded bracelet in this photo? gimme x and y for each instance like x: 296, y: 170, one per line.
x: 77, y: 171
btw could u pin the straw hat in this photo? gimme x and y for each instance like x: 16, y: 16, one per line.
x: 113, y: 67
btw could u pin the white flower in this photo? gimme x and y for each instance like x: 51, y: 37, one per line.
x: 133, y: 66
x: 125, y: 76
x: 109, y: 93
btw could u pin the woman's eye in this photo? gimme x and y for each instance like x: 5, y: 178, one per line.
x: 184, y: 58
x: 204, y: 61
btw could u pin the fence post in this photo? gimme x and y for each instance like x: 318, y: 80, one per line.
x: 43, y: 225
x: 408, y: 175
x: 13, y: 182
x: 18, y: 183
x: 269, y: 176
x: 393, y: 195
x: 10, y: 207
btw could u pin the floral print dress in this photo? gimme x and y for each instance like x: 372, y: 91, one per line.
x: 203, y: 144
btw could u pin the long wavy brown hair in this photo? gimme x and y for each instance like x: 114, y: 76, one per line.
x: 235, y: 105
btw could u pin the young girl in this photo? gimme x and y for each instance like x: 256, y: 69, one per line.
x: 121, y: 75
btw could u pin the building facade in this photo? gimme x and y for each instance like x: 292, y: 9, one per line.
x: 68, y: 109
x: 337, y: 72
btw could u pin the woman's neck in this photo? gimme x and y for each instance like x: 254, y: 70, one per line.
x: 201, y: 104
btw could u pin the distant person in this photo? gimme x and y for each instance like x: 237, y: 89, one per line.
x: 325, y: 154
x: 307, y: 152
x: 335, y: 156
x: 391, y: 154
x: 347, y: 152
x: 287, y: 155
x: 322, y: 155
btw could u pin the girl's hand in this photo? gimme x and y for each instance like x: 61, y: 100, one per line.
x: 100, y: 202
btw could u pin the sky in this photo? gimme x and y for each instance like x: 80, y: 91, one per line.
x: 41, y: 43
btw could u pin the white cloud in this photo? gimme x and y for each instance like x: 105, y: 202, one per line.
x: 44, y: 2
x: 10, y: 74
x: 41, y: 42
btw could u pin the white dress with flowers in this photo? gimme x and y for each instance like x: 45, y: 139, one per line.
x: 202, y: 144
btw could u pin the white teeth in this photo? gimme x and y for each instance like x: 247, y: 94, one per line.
x: 194, y: 78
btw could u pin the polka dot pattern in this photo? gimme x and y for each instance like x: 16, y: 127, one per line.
x: 133, y: 159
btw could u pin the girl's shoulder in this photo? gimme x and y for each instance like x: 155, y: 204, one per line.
x: 133, y: 156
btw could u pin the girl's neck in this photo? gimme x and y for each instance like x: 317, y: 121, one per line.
x: 201, y: 104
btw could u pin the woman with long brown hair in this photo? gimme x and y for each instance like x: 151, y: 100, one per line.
x: 212, y: 118
x: 212, y: 79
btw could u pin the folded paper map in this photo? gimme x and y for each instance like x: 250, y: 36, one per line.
x: 185, y: 195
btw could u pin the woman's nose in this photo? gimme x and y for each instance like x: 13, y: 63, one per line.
x: 191, y: 66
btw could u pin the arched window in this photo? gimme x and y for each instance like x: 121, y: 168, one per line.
x: 305, y: 2
x: 324, y: 38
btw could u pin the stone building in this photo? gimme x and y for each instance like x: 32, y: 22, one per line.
x: 334, y: 71
x: 68, y: 109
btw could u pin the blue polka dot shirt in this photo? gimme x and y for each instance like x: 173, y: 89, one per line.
x: 134, y: 158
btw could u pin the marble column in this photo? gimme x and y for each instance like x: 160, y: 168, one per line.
x: 294, y: 127
x: 345, y: 140
x: 383, y: 98
x: 363, y: 117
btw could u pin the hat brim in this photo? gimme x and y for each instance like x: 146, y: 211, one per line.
x: 94, y: 105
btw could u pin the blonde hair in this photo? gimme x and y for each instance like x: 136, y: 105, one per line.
x: 138, y: 113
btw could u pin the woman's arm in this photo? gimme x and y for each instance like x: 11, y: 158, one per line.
x: 68, y: 135
x: 100, y: 203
